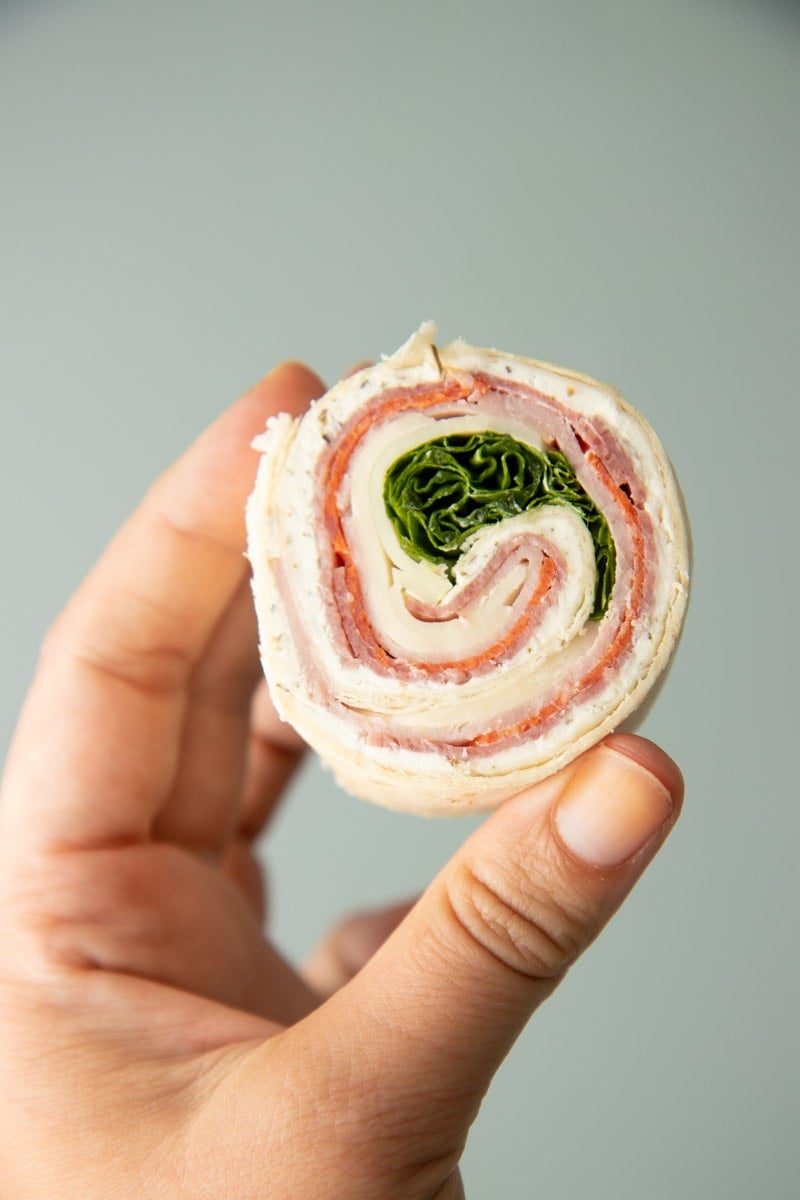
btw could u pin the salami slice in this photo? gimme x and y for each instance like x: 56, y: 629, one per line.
x: 468, y: 567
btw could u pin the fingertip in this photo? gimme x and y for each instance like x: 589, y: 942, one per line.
x: 294, y: 376
x: 655, y: 760
x: 292, y: 382
x: 623, y: 797
x: 287, y: 388
x: 294, y: 370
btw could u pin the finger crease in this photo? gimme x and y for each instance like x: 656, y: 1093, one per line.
x: 158, y: 672
x: 511, y: 937
x: 197, y: 537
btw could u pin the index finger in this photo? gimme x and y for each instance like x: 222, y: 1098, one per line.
x: 98, y: 743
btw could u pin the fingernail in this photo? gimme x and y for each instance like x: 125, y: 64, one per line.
x: 612, y: 806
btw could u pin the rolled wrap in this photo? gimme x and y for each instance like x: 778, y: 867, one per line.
x: 442, y: 687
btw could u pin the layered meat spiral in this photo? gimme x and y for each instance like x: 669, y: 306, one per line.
x: 441, y: 676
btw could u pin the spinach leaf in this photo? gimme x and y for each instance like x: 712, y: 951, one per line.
x: 439, y: 493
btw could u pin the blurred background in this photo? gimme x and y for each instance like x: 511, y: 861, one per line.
x: 190, y: 192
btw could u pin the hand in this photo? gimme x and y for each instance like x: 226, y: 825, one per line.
x: 152, y: 1042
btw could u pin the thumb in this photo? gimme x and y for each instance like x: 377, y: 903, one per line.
x: 430, y: 1017
x: 372, y: 1094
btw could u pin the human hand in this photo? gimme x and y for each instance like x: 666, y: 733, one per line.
x: 152, y: 1042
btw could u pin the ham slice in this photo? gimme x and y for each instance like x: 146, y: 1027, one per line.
x: 444, y: 687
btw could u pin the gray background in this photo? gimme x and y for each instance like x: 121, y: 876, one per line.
x: 191, y: 192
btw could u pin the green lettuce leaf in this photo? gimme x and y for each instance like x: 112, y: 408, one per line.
x: 441, y: 492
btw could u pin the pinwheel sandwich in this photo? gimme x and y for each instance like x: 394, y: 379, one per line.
x: 468, y: 567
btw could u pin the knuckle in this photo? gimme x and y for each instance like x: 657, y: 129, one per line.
x: 518, y: 919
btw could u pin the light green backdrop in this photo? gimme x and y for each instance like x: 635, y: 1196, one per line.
x: 190, y: 192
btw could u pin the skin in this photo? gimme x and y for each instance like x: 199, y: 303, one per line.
x: 152, y: 1041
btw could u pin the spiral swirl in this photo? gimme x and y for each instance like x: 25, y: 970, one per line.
x: 468, y: 567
